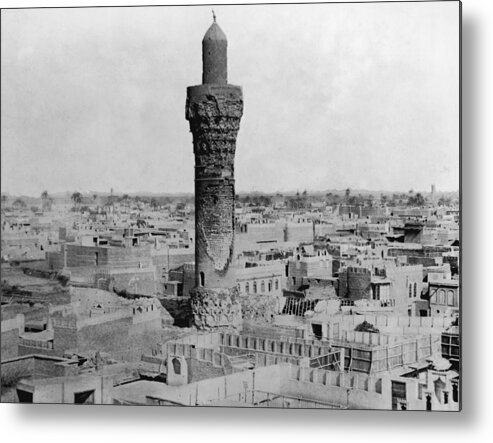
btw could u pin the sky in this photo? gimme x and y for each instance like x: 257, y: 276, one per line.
x: 364, y: 96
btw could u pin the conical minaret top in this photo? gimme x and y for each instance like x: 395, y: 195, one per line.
x: 215, y: 56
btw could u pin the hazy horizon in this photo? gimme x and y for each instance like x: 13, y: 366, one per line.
x: 364, y: 192
x: 363, y: 96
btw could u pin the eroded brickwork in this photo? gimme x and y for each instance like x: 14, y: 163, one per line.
x: 214, y: 308
x: 214, y: 113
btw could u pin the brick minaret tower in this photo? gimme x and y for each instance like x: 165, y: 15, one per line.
x: 214, y: 110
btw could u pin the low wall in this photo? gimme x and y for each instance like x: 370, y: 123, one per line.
x: 36, y: 366
x: 274, y: 331
x: 204, y: 340
x: 355, y: 391
x: 206, y: 391
x: 63, y: 390
x: 15, y: 323
x: 190, y: 351
x: 366, y: 358
x: 396, y: 324
x: 283, y: 346
x: 29, y: 347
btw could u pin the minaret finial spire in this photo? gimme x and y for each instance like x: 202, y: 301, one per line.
x: 214, y: 55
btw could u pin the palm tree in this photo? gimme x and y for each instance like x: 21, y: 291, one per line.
x: 46, y: 201
x: 348, y: 193
x: 77, y: 199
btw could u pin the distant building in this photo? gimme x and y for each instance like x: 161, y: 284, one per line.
x: 443, y: 295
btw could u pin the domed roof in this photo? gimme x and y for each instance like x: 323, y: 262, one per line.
x: 214, y: 33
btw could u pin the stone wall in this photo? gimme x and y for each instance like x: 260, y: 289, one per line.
x: 202, y: 370
x: 65, y: 337
x: 355, y: 283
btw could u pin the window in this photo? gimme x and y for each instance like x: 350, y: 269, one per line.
x: 410, y: 290
x: 455, y: 393
x: 247, y: 288
x: 317, y: 331
x: 277, y: 284
x: 294, y: 280
x: 24, y: 396
x: 254, y: 287
x: 269, y: 286
x: 84, y: 398
x: 441, y: 297
x: 450, y: 298
x: 376, y: 292
x: 176, y: 366
x: 202, y: 279
x: 262, y: 287
x: 415, y: 290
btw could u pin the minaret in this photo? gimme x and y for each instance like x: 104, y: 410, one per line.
x: 214, y: 110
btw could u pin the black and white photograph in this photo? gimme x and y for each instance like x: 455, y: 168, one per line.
x: 234, y: 206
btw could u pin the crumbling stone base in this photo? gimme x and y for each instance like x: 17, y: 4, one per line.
x: 216, y: 308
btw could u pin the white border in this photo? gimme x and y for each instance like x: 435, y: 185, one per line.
x: 104, y: 424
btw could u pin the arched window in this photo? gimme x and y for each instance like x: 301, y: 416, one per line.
x: 269, y: 286
x: 410, y: 290
x: 254, y: 287
x: 247, y: 288
x: 202, y: 279
x: 262, y: 287
x: 450, y: 298
x: 415, y: 290
x: 176, y: 366
x: 441, y: 297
